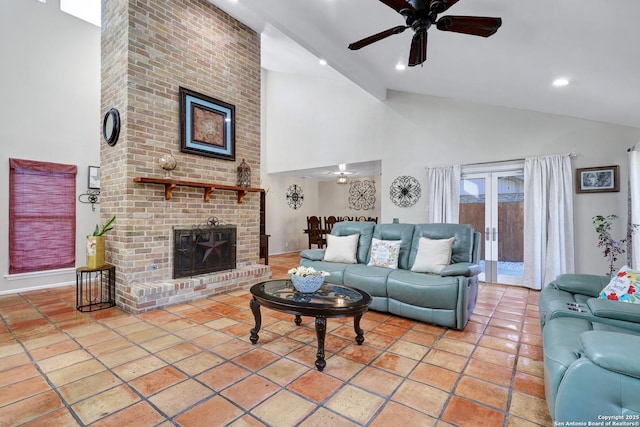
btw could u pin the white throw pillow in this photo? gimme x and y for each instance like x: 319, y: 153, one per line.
x: 342, y: 248
x: 623, y: 286
x: 384, y: 253
x: 433, y: 255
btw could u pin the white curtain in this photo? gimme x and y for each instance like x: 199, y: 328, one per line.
x: 634, y: 203
x: 548, y: 219
x: 443, y: 194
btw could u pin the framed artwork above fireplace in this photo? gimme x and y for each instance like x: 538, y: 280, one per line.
x: 207, y: 126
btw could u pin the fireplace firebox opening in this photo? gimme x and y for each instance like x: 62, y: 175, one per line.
x: 204, y: 250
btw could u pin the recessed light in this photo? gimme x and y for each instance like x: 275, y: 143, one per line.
x: 560, y: 82
x: 400, y: 66
x: 323, y: 62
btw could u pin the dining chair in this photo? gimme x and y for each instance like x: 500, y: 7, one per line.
x: 315, y: 232
x: 329, y: 222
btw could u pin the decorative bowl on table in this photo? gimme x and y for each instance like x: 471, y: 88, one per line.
x: 307, y: 279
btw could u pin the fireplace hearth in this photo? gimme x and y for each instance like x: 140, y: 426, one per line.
x: 204, y: 250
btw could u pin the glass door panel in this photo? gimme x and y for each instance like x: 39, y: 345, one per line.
x: 473, y: 211
x: 493, y: 203
x: 509, y: 205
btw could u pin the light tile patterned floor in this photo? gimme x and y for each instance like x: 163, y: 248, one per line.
x: 193, y: 365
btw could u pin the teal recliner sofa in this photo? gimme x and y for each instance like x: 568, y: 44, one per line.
x: 591, y: 353
x: 445, y: 299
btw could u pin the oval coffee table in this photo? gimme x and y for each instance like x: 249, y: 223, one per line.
x: 328, y: 301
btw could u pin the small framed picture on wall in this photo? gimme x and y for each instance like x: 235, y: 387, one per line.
x: 94, y: 177
x: 598, y: 179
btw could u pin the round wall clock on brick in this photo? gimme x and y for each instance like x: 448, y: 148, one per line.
x: 111, y: 127
x: 405, y: 191
x: 294, y: 196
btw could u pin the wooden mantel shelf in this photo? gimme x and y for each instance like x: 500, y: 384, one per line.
x: 170, y: 184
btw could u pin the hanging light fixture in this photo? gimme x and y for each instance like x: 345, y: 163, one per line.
x: 342, y: 174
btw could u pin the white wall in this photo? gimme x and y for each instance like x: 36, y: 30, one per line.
x: 285, y: 224
x: 50, y: 112
x: 334, y: 199
x: 338, y: 123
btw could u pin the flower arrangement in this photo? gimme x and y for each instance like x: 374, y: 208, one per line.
x: 306, y: 271
x: 307, y: 279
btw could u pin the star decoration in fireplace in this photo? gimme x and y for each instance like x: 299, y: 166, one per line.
x: 362, y: 195
x: 294, y: 196
x: 213, y: 245
x: 405, y: 191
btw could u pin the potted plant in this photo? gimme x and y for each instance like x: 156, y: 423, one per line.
x: 611, y: 248
x: 95, y: 244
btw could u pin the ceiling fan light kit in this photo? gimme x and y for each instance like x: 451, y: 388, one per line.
x: 420, y: 15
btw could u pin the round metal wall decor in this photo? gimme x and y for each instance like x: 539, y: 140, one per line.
x: 294, y: 196
x: 405, y: 191
x: 362, y: 195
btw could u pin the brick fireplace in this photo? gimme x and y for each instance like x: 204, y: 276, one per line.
x: 151, y: 48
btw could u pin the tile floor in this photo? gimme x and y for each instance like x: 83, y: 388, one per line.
x: 193, y: 365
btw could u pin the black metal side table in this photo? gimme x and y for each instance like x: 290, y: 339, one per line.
x: 95, y: 288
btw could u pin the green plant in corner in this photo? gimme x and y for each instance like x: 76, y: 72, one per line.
x: 108, y: 226
x: 612, y: 248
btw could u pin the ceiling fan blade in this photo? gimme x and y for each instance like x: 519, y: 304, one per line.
x: 377, y: 37
x: 474, y: 25
x: 418, y: 53
x: 439, y: 6
x: 398, y: 5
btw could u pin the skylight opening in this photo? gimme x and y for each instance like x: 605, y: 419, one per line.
x: 87, y: 10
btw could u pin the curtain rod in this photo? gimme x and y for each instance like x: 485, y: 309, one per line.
x: 507, y: 161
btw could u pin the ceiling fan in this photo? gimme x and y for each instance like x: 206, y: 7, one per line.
x: 420, y: 15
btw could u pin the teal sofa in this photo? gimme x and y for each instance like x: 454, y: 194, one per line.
x: 591, y: 353
x: 445, y: 299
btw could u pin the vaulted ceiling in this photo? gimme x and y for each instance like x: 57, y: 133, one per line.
x: 595, y: 44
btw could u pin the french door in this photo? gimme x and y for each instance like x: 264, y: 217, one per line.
x: 493, y: 202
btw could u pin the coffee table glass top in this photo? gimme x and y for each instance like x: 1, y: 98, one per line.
x: 328, y: 294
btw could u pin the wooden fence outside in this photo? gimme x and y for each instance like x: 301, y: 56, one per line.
x: 510, y: 227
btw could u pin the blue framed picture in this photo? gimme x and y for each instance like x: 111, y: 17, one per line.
x: 207, y: 126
